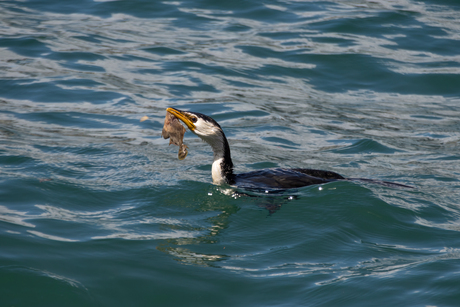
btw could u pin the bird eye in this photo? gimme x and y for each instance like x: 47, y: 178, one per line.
x: 194, y: 119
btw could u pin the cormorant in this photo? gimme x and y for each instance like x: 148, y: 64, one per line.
x: 277, y: 179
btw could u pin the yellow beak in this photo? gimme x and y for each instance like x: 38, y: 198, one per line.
x: 182, y: 116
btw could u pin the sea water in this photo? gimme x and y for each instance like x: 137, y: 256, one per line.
x: 96, y: 209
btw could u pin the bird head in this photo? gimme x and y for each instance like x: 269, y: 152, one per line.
x: 202, y: 125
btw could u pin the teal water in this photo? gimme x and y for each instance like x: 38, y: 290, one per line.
x: 96, y: 210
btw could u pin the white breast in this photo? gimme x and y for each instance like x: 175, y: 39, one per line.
x: 217, y: 176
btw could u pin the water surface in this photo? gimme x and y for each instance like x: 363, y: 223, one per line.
x: 96, y: 210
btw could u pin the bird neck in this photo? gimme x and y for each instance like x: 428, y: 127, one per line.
x: 222, y: 166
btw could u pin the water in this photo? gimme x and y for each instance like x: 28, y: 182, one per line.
x: 96, y: 210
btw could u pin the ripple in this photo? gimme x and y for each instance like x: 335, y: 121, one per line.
x: 366, y: 146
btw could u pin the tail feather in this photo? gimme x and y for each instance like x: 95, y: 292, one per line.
x: 381, y: 182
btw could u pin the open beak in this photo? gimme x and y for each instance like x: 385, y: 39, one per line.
x: 183, y: 117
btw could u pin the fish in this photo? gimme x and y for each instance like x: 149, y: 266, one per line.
x: 174, y: 131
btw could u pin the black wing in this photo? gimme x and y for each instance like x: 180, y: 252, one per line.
x: 281, y: 178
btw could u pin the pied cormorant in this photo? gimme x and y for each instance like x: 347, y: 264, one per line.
x: 222, y: 167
